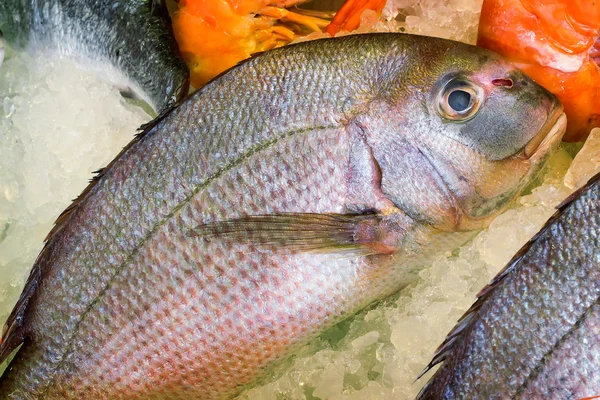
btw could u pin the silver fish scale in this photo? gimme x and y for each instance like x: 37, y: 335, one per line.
x: 571, y: 371
x: 127, y: 214
x: 537, y: 333
x: 235, y: 304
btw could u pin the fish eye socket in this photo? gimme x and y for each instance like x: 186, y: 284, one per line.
x: 460, y: 101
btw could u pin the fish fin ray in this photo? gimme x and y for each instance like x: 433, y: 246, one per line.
x: 304, y: 232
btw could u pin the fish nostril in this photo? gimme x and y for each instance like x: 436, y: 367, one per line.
x: 505, y: 82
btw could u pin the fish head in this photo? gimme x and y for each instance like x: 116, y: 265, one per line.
x: 462, y: 136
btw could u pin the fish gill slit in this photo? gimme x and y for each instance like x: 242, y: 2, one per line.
x: 201, y: 186
x: 538, y: 367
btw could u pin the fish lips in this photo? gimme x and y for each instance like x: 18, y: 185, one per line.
x: 548, y: 137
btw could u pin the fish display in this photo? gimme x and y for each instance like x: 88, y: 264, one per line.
x: 128, y: 42
x: 279, y: 199
x: 534, y: 332
x: 557, y: 43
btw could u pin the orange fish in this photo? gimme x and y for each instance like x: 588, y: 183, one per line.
x: 556, y: 43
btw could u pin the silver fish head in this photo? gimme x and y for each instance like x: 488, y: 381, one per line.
x: 462, y: 137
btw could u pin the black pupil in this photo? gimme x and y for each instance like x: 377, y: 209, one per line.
x: 459, y: 100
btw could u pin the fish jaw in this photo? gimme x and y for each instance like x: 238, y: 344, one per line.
x: 495, y: 188
x: 549, y: 137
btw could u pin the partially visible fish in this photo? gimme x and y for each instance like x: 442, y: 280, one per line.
x: 1, y: 48
x: 128, y: 41
x: 279, y: 199
x: 534, y: 332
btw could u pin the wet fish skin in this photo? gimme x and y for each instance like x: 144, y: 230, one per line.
x: 534, y: 332
x: 129, y: 42
x: 142, y: 291
x: 1, y: 48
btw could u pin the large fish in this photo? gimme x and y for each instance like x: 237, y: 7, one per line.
x: 282, y: 197
x: 128, y: 41
x: 534, y: 332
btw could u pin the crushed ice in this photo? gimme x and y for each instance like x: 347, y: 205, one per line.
x: 57, y: 125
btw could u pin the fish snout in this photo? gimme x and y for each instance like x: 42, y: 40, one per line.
x: 552, y: 129
x: 548, y: 137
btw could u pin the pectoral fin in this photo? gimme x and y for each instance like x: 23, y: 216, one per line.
x: 365, y: 233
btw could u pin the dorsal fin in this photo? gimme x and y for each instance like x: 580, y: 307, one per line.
x: 458, y: 334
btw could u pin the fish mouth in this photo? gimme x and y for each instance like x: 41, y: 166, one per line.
x: 550, y: 134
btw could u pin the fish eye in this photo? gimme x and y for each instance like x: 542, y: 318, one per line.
x: 460, y: 100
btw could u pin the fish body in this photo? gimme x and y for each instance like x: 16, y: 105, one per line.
x: 128, y: 42
x: 279, y: 199
x: 534, y: 332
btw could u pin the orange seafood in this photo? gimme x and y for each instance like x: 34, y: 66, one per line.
x: 556, y: 42
x: 348, y: 17
x: 214, y: 35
